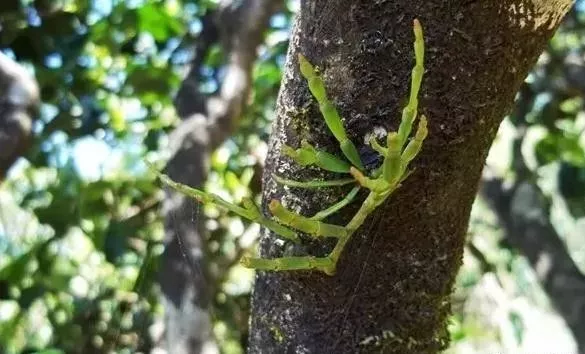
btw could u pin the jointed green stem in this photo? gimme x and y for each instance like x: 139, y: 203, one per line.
x: 290, y: 263
x: 414, y: 146
x: 329, y: 112
x: 337, y: 206
x: 250, y: 212
x: 391, y: 165
x: 313, y: 184
x: 410, y: 111
x: 310, y: 226
x: 382, y: 182
x: 308, y: 155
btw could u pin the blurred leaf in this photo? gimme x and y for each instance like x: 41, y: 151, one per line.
x: 154, y: 19
x: 518, y: 326
x: 554, y: 147
x: 50, y: 351
x: 214, y: 56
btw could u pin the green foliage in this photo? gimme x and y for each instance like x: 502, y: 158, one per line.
x: 80, y: 232
x: 79, y: 275
x: 77, y: 257
x: 499, y: 304
x: 80, y: 229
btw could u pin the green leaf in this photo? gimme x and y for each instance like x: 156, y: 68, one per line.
x: 556, y: 147
x: 155, y: 19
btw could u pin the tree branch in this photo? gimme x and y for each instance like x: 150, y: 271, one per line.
x: 206, y: 121
x: 19, y: 104
x: 523, y: 213
x: 214, y: 117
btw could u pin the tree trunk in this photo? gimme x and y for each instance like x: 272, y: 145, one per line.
x: 206, y: 121
x: 392, y: 286
x: 19, y: 105
x: 522, y: 211
x: 524, y: 216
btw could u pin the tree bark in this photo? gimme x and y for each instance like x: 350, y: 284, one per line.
x: 19, y: 105
x: 391, y: 290
x: 206, y: 121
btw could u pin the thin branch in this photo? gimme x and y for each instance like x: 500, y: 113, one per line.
x: 210, y: 119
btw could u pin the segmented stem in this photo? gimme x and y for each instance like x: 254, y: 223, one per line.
x: 251, y: 213
x: 310, y: 226
x: 308, y: 155
x: 383, y: 182
x: 323, y: 264
x: 313, y: 184
x: 398, y: 153
x: 329, y: 112
x: 410, y: 111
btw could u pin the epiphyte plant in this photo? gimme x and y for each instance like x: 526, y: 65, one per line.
x: 381, y: 182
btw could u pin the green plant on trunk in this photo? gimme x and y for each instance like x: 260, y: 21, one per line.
x: 381, y: 182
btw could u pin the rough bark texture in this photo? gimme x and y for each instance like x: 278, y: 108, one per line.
x: 19, y: 104
x: 391, y: 290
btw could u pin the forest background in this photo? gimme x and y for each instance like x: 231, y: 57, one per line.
x: 91, y: 261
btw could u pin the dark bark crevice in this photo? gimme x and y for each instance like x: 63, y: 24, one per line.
x: 394, y: 279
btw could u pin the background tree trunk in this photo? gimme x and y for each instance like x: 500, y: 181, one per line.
x: 391, y: 289
x: 19, y: 105
x: 522, y: 212
x: 206, y: 121
x: 524, y: 215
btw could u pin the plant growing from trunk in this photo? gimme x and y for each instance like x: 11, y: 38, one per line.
x: 381, y: 182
